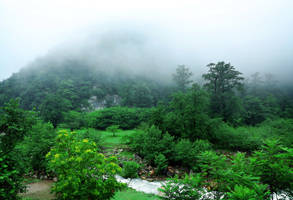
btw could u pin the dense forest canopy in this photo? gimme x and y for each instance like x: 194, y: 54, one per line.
x: 54, y: 87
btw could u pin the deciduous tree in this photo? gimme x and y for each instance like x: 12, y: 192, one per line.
x: 222, y: 81
x: 182, y: 77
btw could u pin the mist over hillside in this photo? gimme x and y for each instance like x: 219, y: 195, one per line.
x: 253, y: 36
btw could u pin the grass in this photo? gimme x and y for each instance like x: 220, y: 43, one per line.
x: 131, y: 194
x: 110, y: 141
x: 107, y: 139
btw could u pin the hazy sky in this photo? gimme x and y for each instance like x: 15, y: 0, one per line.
x: 254, y: 35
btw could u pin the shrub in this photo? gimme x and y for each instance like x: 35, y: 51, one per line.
x: 74, y: 120
x: 151, y: 142
x: 14, y: 125
x: 244, y: 193
x: 161, y: 162
x: 273, y: 164
x: 239, y: 139
x: 186, y: 115
x: 126, y: 118
x: 113, y: 129
x: 11, y: 178
x: 36, y: 145
x: 130, y: 169
x: 90, y: 134
x: 189, y: 188
x: 186, y: 152
x: 223, y: 174
x: 281, y: 129
x: 82, y: 172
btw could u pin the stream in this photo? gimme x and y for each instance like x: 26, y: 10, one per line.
x: 42, y: 188
x: 141, y: 185
x: 152, y: 187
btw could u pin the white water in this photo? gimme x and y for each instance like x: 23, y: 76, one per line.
x: 152, y: 187
x: 141, y: 185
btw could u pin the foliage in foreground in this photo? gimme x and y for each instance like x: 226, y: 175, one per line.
x: 273, y: 164
x: 82, y: 172
x: 266, y: 172
x: 36, y: 145
x: 189, y: 188
x: 14, y: 124
x: 130, y: 169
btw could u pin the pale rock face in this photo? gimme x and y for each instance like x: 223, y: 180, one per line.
x: 108, y: 100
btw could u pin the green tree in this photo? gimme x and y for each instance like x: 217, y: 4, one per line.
x: 255, y: 83
x: 53, y: 107
x: 113, y: 129
x: 187, y: 114
x: 254, y: 111
x: 15, y: 123
x: 151, y: 142
x: 36, y: 145
x: 82, y: 172
x: 182, y: 77
x: 74, y: 120
x: 222, y: 81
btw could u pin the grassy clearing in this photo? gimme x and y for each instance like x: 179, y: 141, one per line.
x: 107, y: 139
x: 110, y: 141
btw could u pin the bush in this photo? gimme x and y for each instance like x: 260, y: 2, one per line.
x: 151, y: 142
x: 245, y: 139
x: 281, y: 129
x: 90, y: 134
x: 223, y: 174
x: 74, y: 120
x: 82, y: 172
x: 273, y: 164
x: 186, y: 152
x: 36, y: 145
x: 113, y: 129
x: 130, y: 169
x: 189, y: 188
x: 244, y: 193
x: 187, y: 115
x: 15, y: 123
x: 161, y: 163
x: 126, y: 118
x: 11, y: 178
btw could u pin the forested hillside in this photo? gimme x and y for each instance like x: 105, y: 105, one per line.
x: 53, y: 88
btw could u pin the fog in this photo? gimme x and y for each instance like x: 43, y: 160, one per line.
x: 143, y: 36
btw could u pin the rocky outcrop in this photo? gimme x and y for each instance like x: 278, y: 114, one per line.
x: 108, y: 101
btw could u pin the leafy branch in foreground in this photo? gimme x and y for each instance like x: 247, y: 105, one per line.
x: 82, y: 172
